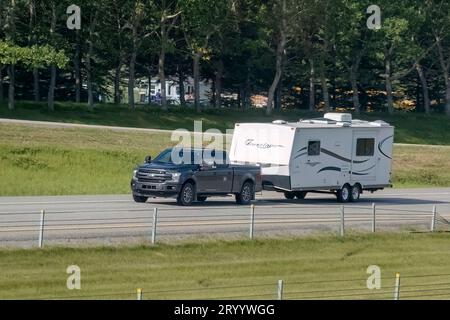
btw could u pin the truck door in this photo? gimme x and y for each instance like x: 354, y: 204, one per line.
x: 364, y: 160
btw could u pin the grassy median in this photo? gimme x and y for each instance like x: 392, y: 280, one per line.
x: 312, y: 267
x: 54, y: 161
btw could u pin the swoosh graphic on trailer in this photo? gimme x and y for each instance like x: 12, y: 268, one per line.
x: 332, y: 154
x: 381, y: 144
x: 329, y: 169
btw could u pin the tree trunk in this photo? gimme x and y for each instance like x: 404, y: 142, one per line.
x: 181, y: 79
x: 131, y: 80
x: 196, y: 66
x: 51, y: 89
x: 2, y: 95
x: 218, y: 83
x: 11, y: 91
x: 117, y: 96
x: 36, y: 88
x: 425, y: 90
x: 445, y: 72
x: 390, y: 98
x: 312, y: 88
x: 77, y: 62
x: 281, y: 45
x: 355, y: 90
x: 162, y: 77
x: 326, y: 95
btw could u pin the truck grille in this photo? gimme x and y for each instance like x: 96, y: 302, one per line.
x: 153, y: 176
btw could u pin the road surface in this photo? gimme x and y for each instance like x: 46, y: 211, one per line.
x: 117, y: 219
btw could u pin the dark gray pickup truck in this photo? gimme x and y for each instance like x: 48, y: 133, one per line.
x: 194, y: 178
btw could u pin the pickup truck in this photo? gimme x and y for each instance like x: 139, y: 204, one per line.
x: 189, y: 181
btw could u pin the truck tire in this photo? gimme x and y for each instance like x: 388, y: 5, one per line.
x: 355, y: 193
x: 343, y: 194
x: 201, y: 198
x: 187, y: 195
x: 139, y: 199
x: 289, y: 195
x: 300, y: 194
x: 247, y: 193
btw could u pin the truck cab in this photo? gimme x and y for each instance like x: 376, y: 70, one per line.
x: 191, y: 175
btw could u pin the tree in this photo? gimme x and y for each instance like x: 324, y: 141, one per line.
x: 200, y: 20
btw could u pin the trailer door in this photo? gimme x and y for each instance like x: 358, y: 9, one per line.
x: 364, y: 159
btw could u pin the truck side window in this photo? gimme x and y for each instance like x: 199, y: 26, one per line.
x: 365, y: 147
x: 313, y: 148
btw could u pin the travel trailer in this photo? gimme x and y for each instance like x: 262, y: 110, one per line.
x: 331, y: 154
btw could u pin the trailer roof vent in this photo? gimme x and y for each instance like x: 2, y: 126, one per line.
x: 279, y: 122
x: 339, y: 117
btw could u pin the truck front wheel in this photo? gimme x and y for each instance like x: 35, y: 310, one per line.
x: 186, y: 195
x: 247, y: 193
x: 139, y: 199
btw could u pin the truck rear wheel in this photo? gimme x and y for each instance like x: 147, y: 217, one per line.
x: 247, y: 193
x: 139, y: 199
x: 186, y: 195
x: 289, y: 195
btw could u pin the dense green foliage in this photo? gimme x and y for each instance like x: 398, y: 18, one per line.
x: 308, y: 54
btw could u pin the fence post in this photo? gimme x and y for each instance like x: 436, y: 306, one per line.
x: 397, y: 287
x: 252, y: 220
x: 41, y: 229
x: 155, y: 221
x: 139, y: 294
x: 280, y: 290
x: 342, y: 221
x: 373, y: 217
x: 433, y: 221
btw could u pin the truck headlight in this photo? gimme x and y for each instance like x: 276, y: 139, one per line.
x: 176, y: 176
x: 134, y: 174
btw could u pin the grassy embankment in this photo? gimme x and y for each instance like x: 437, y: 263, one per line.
x: 117, y: 272
x: 50, y: 161
x: 44, y: 161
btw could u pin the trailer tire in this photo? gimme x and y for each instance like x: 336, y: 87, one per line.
x: 355, y: 193
x: 300, y: 194
x: 247, y: 193
x: 343, y: 194
x: 289, y: 195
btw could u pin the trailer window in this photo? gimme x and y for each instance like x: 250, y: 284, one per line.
x: 313, y: 148
x: 365, y: 147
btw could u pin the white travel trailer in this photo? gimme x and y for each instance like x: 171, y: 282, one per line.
x: 330, y: 154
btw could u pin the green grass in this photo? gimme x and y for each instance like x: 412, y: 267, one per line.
x: 55, y: 161
x: 410, y: 127
x: 117, y: 272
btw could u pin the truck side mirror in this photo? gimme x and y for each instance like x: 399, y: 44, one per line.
x: 148, y: 159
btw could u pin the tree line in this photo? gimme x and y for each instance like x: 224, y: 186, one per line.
x: 306, y: 54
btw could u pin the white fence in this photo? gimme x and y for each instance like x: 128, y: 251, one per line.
x: 36, y: 228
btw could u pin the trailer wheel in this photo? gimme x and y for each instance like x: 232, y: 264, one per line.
x: 355, y: 193
x: 289, y: 195
x: 300, y: 195
x: 344, y: 194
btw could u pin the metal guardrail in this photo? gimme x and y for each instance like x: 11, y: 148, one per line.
x: 245, y: 220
